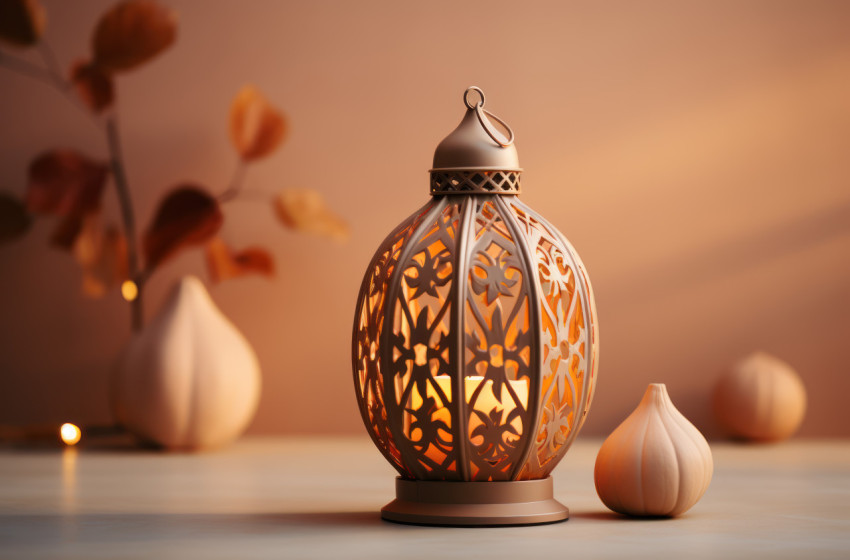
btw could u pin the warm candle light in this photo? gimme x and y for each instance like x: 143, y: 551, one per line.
x: 70, y: 434
x: 484, y: 403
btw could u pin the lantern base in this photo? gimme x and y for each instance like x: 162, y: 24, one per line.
x: 474, y: 504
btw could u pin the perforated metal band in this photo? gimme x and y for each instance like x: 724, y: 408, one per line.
x: 474, y: 181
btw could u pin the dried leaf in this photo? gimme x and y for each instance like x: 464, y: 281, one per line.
x: 66, y: 232
x: 65, y: 182
x: 68, y: 184
x: 256, y: 127
x: 132, y: 33
x: 22, y: 22
x: 14, y: 219
x: 102, y: 255
x: 224, y: 263
x: 187, y: 216
x: 88, y: 243
x: 305, y: 210
x: 93, y: 86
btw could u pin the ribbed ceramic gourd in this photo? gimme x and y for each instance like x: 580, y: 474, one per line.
x: 656, y: 463
x: 189, y: 380
x: 760, y: 398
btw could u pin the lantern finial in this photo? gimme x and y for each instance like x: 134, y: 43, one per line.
x: 476, y: 156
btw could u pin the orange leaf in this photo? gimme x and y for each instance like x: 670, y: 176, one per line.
x: 14, y: 219
x: 102, y: 255
x: 305, y: 210
x: 256, y: 127
x: 132, y: 33
x: 22, y: 22
x: 187, y: 216
x: 224, y: 263
x: 93, y: 86
x: 68, y: 184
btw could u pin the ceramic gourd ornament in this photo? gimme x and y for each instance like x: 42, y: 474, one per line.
x: 656, y: 463
x: 189, y: 380
x: 760, y: 398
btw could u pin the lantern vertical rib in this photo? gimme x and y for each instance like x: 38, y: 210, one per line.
x: 461, y: 272
x: 535, y: 325
x: 394, y: 410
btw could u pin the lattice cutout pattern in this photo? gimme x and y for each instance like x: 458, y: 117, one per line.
x: 491, y: 182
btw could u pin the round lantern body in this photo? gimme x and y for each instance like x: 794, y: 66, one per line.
x: 475, y: 345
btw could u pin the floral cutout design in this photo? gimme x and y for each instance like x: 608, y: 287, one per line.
x: 497, y: 348
x: 494, y: 434
x: 434, y: 272
x: 565, y: 359
x: 369, y: 324
x: 495, y: 276
x: 421, y: 350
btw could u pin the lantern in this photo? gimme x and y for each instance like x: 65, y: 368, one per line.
x: 475, y: 343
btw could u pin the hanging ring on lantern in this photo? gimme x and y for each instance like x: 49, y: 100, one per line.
x: 482, y: 114
x: 466, y: 97
x: 491, y: 131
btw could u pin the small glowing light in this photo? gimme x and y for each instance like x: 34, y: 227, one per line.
x: 129, y: 290
x: 70, y: 433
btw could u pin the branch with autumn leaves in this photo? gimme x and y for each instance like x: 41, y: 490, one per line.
x: 69, y: 185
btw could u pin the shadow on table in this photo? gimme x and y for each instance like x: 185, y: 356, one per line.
x: 612, y: 516
x: 56, y: 528
x: 323, y: 518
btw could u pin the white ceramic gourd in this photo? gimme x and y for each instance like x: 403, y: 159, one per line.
x: 189, y: 380
x: 760, y: 398
x: 656, y: 463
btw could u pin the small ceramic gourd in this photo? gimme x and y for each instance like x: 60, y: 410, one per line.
x: 656, y: 463
x: 760, y: 398
x: 189, y: 380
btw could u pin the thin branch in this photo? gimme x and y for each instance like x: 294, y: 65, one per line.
x: 27, y: 68
x: 125, y: 202
x: 236, y: 182
x: 51, y: 76
x: 53, y: 67
x: 251, y: 195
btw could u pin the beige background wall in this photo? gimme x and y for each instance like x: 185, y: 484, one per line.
x: 696, y: 154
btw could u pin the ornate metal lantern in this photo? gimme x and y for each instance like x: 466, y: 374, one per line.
x: 475, y: 342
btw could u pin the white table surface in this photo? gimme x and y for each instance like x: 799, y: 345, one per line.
x: 319, y: 497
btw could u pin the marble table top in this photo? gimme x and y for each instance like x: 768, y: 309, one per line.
x: 319, y: 497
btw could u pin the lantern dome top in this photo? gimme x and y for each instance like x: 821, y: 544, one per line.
x: 476, y: 146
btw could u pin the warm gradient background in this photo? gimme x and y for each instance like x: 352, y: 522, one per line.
x: 696, y: 154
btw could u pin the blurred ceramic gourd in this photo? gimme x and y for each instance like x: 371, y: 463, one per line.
x: 189, y: 380
x: 656, y: 463
x: 760, y: 398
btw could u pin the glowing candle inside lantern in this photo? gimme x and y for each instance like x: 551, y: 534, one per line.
x: 485, y: 402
